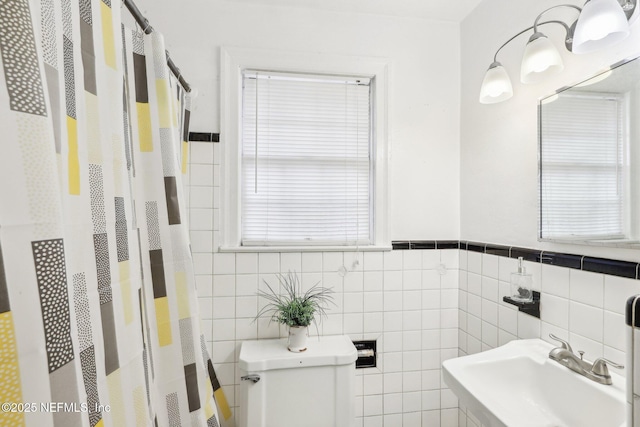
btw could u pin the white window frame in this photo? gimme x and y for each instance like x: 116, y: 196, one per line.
x: 233, y: 60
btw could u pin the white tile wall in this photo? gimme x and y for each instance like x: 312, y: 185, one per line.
x: 583, y: 307
x: 413, y: 327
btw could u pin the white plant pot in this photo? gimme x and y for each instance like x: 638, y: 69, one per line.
x: 298, y: 336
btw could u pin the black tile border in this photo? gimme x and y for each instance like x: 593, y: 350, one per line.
x: 562, y: 260
x: 422, y: 244
x: 402, y: 245
x: 612, y: 267
x: 632, y: 311
x: 499, y: 250
x: 419, y: 244
x: 527, y: 254
x: 476, y: 247
x: 204, y: 137
x: 447, y: 244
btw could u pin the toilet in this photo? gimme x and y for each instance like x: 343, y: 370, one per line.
x: 315, y: 388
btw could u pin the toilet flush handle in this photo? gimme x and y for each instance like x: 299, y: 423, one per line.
x: 252, y: 377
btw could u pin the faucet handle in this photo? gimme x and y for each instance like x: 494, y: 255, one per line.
x: 600, y: 366
x: 564, y: 344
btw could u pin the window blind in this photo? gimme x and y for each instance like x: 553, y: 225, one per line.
x: 306, y: 160
x: 583, y: 176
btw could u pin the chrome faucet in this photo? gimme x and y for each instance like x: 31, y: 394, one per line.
x: 597, y: 371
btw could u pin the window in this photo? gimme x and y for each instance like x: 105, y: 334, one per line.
x: 306, y: 159
x: 304, y: 151
x: 584, y: 174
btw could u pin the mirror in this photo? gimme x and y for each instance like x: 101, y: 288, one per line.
x: 589, y: 160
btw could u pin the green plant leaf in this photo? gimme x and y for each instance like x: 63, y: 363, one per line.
x: 292, y: 307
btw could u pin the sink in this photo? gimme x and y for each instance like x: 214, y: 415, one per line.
x: 517, y: 385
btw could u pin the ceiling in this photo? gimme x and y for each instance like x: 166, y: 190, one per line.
x: 443, y: 10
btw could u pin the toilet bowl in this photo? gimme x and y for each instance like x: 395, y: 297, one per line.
x: 315, y: 388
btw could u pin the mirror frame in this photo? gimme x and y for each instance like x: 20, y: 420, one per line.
x: 629, y: 244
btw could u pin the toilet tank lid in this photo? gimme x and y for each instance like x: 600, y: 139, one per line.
x: 265, y: 355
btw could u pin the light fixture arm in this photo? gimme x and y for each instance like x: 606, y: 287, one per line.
x: 566, y: 27
x: 535, y: 23
x: 628, y: 7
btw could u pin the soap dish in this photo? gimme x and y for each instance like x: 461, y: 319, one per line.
x: 532, y: 308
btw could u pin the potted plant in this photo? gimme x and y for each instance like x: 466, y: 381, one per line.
x: 295, y: 308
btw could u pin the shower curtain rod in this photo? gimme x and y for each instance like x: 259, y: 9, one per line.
x: 148, y: 29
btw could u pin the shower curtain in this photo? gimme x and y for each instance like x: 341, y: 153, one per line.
x: 98, y: 310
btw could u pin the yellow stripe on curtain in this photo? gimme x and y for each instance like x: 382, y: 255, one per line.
x: 73, y: 161
x: 221, y: 399
x: 117, y: 410
x: 144, y: 127
x: 164, y: 103
x: 11, y: 391
x: 107, y: 35
x: 182, y: 294
x: 163, y: 321
x: 185, y: 157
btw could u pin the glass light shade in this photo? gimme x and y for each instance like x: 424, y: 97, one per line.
x: 496, y: 86
x: 540, y: 59
x: 601, y: 24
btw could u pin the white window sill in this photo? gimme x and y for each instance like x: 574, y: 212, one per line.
x: 373, y: 248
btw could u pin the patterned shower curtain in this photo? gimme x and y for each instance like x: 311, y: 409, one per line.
x: 98, y: 312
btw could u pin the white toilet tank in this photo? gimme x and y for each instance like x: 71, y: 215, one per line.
x: 315, y: 388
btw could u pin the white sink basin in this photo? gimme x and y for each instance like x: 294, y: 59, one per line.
x: 517, y: 385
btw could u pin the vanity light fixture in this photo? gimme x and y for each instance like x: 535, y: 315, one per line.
x: 600, y: 23
x: 496, y: 86
x: 540, y: 59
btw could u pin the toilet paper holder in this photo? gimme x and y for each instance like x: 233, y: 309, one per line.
x: 367, y: 354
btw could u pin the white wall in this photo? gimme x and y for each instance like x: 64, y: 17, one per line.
x: 499, y: 142
x: 424, y: 87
